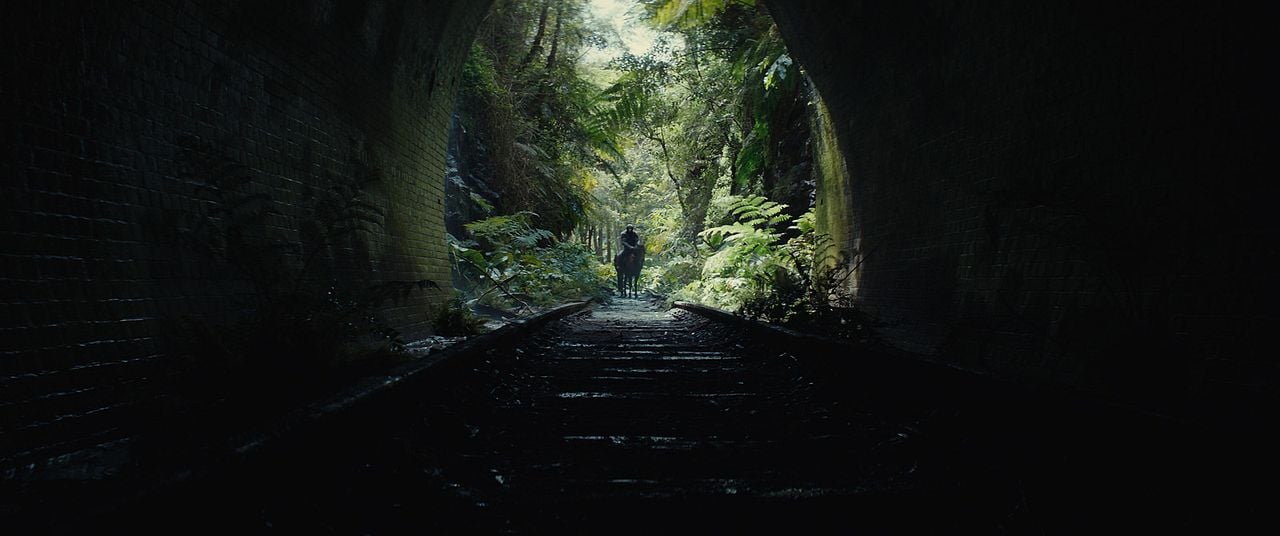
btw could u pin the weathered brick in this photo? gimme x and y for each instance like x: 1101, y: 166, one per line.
x: 98, y: 101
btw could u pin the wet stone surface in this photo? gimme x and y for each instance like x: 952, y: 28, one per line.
x: 623, y: 419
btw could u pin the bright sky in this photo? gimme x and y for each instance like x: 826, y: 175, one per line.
x: 621, y: 15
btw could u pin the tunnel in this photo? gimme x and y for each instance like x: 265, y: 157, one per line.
x: 1058, y: 195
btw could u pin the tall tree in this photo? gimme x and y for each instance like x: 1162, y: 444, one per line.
x: 530, y: 116
x: 555, y: 37
x: 536, y: 48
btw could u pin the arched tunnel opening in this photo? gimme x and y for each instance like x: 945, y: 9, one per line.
x: 1050, y: 228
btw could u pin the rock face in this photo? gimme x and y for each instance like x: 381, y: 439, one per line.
x: 469, y: 195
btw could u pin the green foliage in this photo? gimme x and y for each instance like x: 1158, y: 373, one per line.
x: 673, y: 274
x: 753, y: 157
x: 511, y: 263
x: 566, y: 270
x: 713, y: 109
x: 751, y: 269
x: 776, y: 72
x: 691, y: 13
x: 707, y: 118
x: 757, y: 218
x: 505, y: 235
x: 530, y: 105
x: 811, y: 285
x: 454, y: 319
x: 479, y: 76
x: 744, y: 254
x: 703, y: 112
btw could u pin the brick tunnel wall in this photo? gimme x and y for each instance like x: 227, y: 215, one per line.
x: 1060, y: 192
x: 115, y: 113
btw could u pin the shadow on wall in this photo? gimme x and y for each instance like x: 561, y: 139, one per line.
x: 1091, y: 179
x: 304, y: 289
x: 1086, y: 278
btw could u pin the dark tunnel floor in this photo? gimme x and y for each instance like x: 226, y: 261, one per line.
x: 627, y: 419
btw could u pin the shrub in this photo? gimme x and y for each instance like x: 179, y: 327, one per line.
x: 454, y: 319
x: 799, y: 281
x: 509, y: 263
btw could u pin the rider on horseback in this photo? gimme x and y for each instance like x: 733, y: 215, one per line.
x: 630, y: 239
x: 629, y: 261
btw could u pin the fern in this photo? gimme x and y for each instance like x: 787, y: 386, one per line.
x: 755, y: 215
x: 511, y: 262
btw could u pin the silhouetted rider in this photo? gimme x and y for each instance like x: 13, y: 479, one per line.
x: 630, y: 240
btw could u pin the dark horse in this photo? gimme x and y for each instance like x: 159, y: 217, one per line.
x: 628, y: 266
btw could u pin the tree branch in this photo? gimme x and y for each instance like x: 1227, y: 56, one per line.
x: 666, y: 160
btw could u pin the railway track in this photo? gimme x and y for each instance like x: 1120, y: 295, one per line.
x: 625, y: 418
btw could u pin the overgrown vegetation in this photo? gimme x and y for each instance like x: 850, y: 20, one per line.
x: 532, y: 157
x: 525, y: 98
x: 701, y: 141
x: 721, y: 127
x: 764, y: 268
x: 511, y: 265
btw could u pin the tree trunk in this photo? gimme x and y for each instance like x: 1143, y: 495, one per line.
x: 666, y: 160
x: 609, y: 243
x: 699, y: 196
x: 555, y: 37
x: 595, y: 242
x: 537, y: 36
x: 600, y: 245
